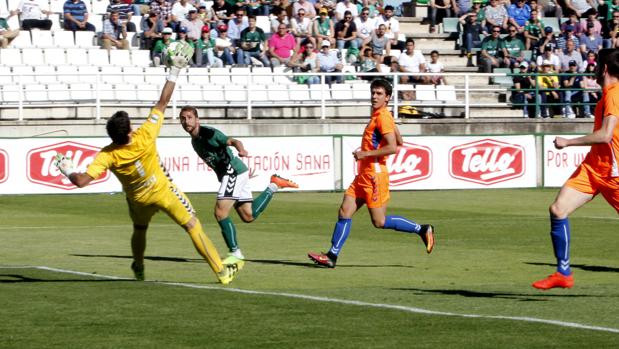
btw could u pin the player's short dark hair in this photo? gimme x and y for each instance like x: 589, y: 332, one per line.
x: 389, y: 8
x: 118, y: 127
x: 610, y: 59
x: 382, y: 83
x: 191, y: 109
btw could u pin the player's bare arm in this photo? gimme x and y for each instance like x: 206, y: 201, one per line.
x: 166, y: 95
x: 387, y: 149
x: 238, y: 145
x: 80, y: 180
x: 601, y: 136
x: 398, y: 136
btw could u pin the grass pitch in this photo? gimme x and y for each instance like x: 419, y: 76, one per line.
x: 473, y: 291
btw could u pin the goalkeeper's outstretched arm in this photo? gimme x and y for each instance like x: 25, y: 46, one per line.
x: 65, y: 165
x: 166, y: 94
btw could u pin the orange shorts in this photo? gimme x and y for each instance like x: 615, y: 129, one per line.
x: 371, y: 187
x: 587, y: 181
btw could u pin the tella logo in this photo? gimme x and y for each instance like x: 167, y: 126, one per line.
x: 4, y: 166
x: 486, y: 161
x: 410, y: 163
x: 41, y: 169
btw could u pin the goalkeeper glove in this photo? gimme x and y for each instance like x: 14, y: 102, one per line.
x: 64, y: 164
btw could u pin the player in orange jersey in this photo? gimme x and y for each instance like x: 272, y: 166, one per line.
x: 597, y: 174
x: 371, y: 186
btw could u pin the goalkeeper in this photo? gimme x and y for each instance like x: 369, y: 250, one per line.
x: 133, y: 158
x: 214, y: 148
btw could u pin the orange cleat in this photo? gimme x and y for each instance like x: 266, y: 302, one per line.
x: 555, y: 280
x: 283, y: 182
x: 427, y: 236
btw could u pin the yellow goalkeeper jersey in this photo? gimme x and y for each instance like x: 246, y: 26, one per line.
x: 136, y: 165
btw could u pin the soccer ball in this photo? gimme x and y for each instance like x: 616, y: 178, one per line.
x: 177, y: 54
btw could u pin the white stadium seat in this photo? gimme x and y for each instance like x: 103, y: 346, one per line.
x: 88, y: 73
x: 55, y: 56
x: 77, y: 56
x: 264, y: 23
x: 341, y: 91
x: 299, y: 93
x: 98, y: 57
x: 198, y: 76
x: 131, y: 36
x: 45, y: 74
x: 81, y: 92
x: 97, y: 21
x: 240, y: 76
x: 106, y: 92
x: 126, y: 92
x: 258, y: 93
x: 67, y: 74
x: 64, y: 38
x: 99, y: 7
x: 22, y: 40
x: 33, y: 56
x: 5, y: 75
x: 10, y: 93
x: 219, y: 77
x: 112, y: 75
x: 235, y: 93
x: 120, y: 57
x: 35, y: 93
x: 317, y: 91
x: 154, y: 75
x: 446, y: 93
x: 361, y: 91
x: 42, y: 38
x: 213, y: 93
x: 10, y: 56
x: 23, y: 73
x: 58, y: 92
x: 133, y: 75
x: 262, y: 75
x: 278, y: 92
x: 56, y: 6
x: 425, y: 93
x: 140, y: 58
x: 281, y: 79
x: 148, y: 92
x: 55, y: 18
x: 85, y: 39
x: 191, y: 93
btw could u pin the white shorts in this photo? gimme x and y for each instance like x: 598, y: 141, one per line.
x: 235, y: 187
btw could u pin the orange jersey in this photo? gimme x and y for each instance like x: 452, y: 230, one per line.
x: 381, y: 123
x: 604, y: 158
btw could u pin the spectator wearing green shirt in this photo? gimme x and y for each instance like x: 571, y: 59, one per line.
x: 6, y: 34
x: 512, y: 48
x: 533, y: 31
x: 490, y: 48
x: 205, y: 46
x: 160, y: 46
x: 253, y: 44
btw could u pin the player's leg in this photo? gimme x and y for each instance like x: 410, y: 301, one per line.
x: 576, y: 192
x: 228, y: 229
x: 262, y: 201
x: 140, y: 216
x: 232, y: 189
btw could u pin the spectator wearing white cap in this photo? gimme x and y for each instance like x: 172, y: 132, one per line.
x: 522, y: 96
x: 160, y: 45
x: 329, y: 63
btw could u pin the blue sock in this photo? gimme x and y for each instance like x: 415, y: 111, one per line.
x: 340, y: 234
x: 560, y: 234
x: 401, y: 224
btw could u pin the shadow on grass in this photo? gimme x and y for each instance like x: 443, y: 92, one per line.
x: 17, y: 278
x: 499, y: 295
x: 150, y: 258
x: 595, y: 268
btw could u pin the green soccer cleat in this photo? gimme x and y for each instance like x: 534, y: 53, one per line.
x: 138, y: 272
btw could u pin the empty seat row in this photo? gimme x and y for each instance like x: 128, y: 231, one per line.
x: 62, y: 39
x: 74, y: 56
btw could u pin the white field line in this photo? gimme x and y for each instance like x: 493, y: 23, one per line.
x: 341, y: 301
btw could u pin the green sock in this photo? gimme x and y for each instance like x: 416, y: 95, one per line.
x: 261, y: 202
x: 229, y: 232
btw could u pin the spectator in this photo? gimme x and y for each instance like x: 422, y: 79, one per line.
x: 471, y: 33
x: 571, y: 85
x: 160, y: 45
x: 612, y: 6
x: 328, y: 5
x: 550, y: 8
x: 490, y: 48
x: 180, y: 10
x: 535, y: 7
x: 163, y: 10
x: 346, y: 32
x: 222, y: 11
x: 114, y: 33
x: 462, y: 7
x: 549, y: 40
x: 253, y: 44
x: 193, y: 24
x: 125, y: 12
x: 573, y: 21
x: 323, y: 27
x: 593, y: 92
x: 438, y: 9
x: 519, y: 13
x: 523, y: 95
x: 570, y: 55
x: 549, y: 95
x: 495, y: 15
x: 31, y: 13
x: 568, y: 34
x: 236, y: 26
x: 591, y: 18
x: 379, y: 43
x: 342, y: 7
x: 301, y: 27
x: 412, y: 61
x: 368, y: 64
x: 182, y: 36
x: 436, y: 68
x: 205, y: 50
x: 374, y: 6
x: 206, y: 15
x: 281, y: 46
x: 280, y: 17
x: 512, y: 48
x: 477, y: 8
x: 591, y: 41
x: 76, y: 16
x: 580, y: 7
x: 306, y: 62
x: 255, y: 8
x: 549, y: 56
x: 152, y: 31
x: 223, y: 46
x: 309, y: 8
x: 329, y: 62
x: 533, y: 32
x: 611, y: 31
x: 365, y: 27
x: 6, y: 33
x: 591, y: 58
x: 392, y: 25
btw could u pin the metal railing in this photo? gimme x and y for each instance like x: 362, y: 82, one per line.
x: 463, y: 96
